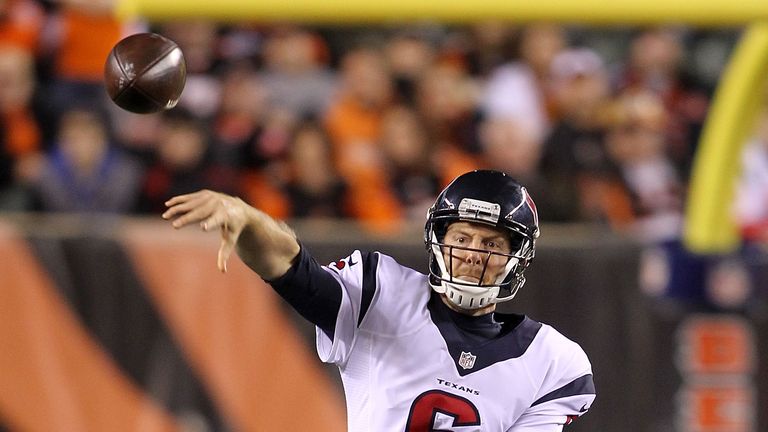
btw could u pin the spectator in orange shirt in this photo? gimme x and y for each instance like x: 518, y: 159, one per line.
x: 21, y: 22
x: 20, y: 135
x: 81, y: 34
x: 354, y: 118
x: 354, y: 124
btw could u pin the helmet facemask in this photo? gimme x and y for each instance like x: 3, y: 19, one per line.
x: 474, y: 295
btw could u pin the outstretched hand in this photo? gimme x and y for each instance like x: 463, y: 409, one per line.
x: 211, y: 210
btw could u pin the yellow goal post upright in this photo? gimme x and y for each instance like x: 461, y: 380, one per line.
x: 709, y: 225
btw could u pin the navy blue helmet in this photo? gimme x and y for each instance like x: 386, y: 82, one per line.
x: 491, y: 198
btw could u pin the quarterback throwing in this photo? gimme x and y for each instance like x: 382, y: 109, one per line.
x: 422, y: 352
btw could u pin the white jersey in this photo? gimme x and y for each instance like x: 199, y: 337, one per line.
x: 406, y: 367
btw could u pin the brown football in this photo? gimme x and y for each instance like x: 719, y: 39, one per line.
x: 145, y: 73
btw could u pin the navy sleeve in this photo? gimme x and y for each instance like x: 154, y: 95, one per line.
x: 312, y: 291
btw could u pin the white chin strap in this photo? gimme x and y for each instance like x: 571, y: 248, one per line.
x: 469, y: 295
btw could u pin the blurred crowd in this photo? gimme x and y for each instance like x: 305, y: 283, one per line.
x: 367, y: 123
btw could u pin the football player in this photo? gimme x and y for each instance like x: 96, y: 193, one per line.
x: 422, y: 352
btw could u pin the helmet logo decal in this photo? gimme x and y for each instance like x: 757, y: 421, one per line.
x: 480, y: 210
x: 467, y: 360
x: 526, y: 201
x: 532, y: 206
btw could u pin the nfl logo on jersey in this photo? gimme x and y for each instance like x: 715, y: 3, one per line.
x: 467, y: 360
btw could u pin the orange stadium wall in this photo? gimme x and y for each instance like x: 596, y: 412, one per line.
x: 126, y: 325
x: 135, y: 333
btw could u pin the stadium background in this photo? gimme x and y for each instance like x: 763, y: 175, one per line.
x: 115, y: 322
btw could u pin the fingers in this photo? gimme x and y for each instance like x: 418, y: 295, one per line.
x: 195, y: 215
x: 192, y: 208
x: 210, y: 210
x: 217, y: 219
x: 180, y: 204
x: 228, y: 240
x: 180, y: 208
x: 186, y: 197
